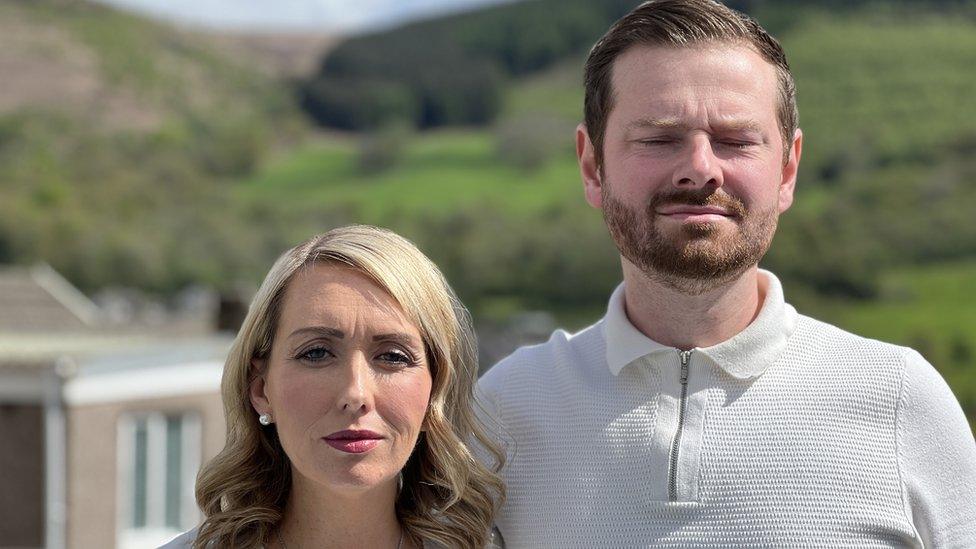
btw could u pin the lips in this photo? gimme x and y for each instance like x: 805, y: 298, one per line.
x: 685, y: 209
x: 703, y: 205
x: 353, y: 441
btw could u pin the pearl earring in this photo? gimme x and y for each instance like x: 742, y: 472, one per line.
x: 264, y: 419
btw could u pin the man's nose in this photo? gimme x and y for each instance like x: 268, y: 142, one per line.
x: 698, y: 166
x: 355, y: 394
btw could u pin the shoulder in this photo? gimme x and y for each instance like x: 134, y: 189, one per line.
x: 562, y: 352
x: 182, y: 541
x: 923, y: 393
x: 828, y: 337
x: 926, y: 398
x: 828, y: 346
x: 856, y: 372
x: 529, y: 379
x: 937, y: 456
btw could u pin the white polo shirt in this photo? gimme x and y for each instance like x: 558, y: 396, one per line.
x: 793, y: 433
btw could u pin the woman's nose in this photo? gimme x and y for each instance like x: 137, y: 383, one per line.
x: 356, y: 393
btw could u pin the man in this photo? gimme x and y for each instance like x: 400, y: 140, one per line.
x: 702, y: 410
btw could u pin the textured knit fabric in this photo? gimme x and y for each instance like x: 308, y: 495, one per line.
x: 795, y: 434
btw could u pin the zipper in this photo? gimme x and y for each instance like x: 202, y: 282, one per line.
x: 685, y: 357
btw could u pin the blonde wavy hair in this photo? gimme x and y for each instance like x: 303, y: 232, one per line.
x: 448, y: 496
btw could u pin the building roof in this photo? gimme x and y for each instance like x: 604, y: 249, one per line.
x: 100, y: 367
x: 50, y: 333
x: 39, y: 300
x: 149, y: 369
x: 108, y: 351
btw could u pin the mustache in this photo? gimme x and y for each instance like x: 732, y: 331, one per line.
x: 698, y: 197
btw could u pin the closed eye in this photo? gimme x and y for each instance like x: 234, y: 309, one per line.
x: 736, y: 144
x: 658, y: 141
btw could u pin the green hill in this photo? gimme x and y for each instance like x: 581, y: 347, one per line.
x: 887, y: 189
x: 119, y: 138
x: 884, y: 150
x: 135, y: 154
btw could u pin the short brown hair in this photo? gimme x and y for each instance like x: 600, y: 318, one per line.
x: 679, y: 23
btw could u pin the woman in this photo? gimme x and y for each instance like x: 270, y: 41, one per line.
x: 347, y: 396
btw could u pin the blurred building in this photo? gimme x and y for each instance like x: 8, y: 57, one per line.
x: 102, y: 427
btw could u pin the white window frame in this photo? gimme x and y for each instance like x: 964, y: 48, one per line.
x: 155, y: 532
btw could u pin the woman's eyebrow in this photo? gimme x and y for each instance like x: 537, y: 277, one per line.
x: 318, y: 330
x: 399, y: 337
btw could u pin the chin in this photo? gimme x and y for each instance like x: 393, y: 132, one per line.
x: 357, y: 481
x: 347, y: 474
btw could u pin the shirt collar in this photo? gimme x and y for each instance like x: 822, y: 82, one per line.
x: 745, y: 355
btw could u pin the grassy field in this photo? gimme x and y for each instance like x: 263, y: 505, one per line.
x: 158, y: 162
x: 882, y: 86
x: 859, y: 105
x: 932, y: 301
x: 437, y: 171
x: 874, y: 130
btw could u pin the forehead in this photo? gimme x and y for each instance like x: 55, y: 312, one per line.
x: 341, y: 297
x: 712, y: 79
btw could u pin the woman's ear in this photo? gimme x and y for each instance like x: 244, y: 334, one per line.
x: 257, y: 389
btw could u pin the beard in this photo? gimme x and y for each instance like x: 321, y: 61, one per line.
x: 693, y: 258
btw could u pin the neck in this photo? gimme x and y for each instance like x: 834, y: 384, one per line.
x: 317, y: 517
x: 686, y: 321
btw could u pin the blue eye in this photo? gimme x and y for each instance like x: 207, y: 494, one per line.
x: 315, y: 354
x: 396, y: 357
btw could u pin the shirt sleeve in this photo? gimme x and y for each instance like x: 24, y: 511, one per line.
x: 487, y: 411
x: 937, y: 454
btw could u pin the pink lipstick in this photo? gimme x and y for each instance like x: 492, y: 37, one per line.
x: 353, y: 441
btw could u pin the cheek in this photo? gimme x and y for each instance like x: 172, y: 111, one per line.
x: 631, y: 183
x: 303, y: 397
x: 404, y: 402
x: 757, y: 185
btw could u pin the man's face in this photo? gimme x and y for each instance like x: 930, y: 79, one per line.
x: 693, y: 179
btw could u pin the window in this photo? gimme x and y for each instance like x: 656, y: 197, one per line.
x: 159, y: 454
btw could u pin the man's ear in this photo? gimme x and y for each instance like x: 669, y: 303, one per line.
x: 790, y: 170
x: 589, y: 169
x: 259, y: 397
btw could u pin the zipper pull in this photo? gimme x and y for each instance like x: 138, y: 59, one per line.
x: 685, y: 359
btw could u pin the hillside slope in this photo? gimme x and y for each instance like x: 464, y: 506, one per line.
x: 118, y: 138
x: 138, y: 155
x: 121, y: 71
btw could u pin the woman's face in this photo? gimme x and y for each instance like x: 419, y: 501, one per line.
x: 347, y: 382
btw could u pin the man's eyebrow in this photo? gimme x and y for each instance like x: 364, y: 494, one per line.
x: 732, y: 124
x: 318, y: 330
x: 657, y: 123
x: 738, y: 124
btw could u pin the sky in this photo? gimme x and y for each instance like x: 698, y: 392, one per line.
x: 298, y: 15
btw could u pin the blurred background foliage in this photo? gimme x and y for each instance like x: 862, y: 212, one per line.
x: 159, y: 160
